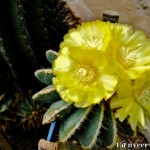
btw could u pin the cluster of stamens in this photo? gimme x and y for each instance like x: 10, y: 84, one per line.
x: 143, y: 96
x: 85, y: 73
x: 126, y: 57
x: 92, y: 42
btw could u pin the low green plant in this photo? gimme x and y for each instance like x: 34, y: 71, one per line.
x: 20, y: 111
x: 30, y: 114
x: 94, y: 127
x: 98, y: 84
x: 6, y: 104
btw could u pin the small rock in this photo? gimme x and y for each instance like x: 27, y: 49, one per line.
x: 46, y: 145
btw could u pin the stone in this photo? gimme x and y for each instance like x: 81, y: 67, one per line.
x: 135, y: 12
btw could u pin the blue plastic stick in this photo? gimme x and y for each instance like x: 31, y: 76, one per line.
x: 51, y: 130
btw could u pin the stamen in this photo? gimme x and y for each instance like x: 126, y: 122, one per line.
x: 92, y: 43
x: 143, y: 95
x: 85, y: 73
x: 126, y: 57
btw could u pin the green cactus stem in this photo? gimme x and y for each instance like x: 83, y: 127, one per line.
x: 51, y: 55
x: 9, y: 61
x: 73, y: 122
x: 109, y: 132
x: 89, y: 134
x: 36, y: 26
x: 58, y: 109
x: 20, y: 33
x: 46, y: 95
x: 45, y: 76
x: 16, y: 43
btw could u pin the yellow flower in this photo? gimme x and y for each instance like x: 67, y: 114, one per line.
x: 83, y: 76
x: 92, y: 35
x: 132, y: 101
x: 141, y: 90
x: 130, y: 49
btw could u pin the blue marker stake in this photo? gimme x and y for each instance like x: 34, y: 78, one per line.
x: 51, y: 130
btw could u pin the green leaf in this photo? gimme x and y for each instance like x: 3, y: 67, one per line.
x: 58, y: 109
x: 109, y: 132
x: 51, y: 55
x: 44, y: 75
x: 73, y: 122
x: 46, y: 95
x: 5, y: 105
x: 89, y: 134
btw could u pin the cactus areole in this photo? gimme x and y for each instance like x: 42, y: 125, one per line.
x: 100, y: 76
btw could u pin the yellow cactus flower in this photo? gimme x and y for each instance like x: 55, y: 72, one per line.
x: 130, y: 49
x: 92, y: 35
x: 100, y: 60
x: 83, y: 77
x: 141, y: 90
x: 132, y: 101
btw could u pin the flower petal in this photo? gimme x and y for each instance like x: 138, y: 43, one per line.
x: 95, y: 95
x: 74, y: 95
x: 62, y: 64
x: 90, y: 35
x: 127, y: 107
x: 82, y: 104
x: 109, y: 84
x: 131, y: 49
x: 137, y: 71
x: 124, y: 89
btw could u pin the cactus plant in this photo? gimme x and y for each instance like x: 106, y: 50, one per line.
x: 85, y: 87
x: 93, y: 127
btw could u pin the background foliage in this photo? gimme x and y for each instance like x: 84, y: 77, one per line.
x: 28, y: 28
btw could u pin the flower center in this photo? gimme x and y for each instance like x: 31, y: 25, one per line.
x: 85, y: 73
x: 143, y: 96
x: 92, y: 43
x: 126, y: 57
